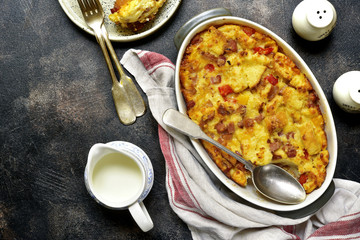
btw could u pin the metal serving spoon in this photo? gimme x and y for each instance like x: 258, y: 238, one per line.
x: 270, y: 180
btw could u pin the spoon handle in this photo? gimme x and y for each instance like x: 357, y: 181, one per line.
x: 185, y: 125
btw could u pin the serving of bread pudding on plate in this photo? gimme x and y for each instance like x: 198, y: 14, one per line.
x: 245, y: 93
x: 134, y: 14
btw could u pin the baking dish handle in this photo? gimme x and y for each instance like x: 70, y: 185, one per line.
x: 189, y: 25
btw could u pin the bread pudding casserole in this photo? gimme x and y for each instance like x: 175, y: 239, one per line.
x: 245, y: 93
x: 134, y: 14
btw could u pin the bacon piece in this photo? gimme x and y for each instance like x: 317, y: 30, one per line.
x: 215, y: 80
x: 220, y: 127
x: 209, y: 56
x: 231, y: 128
x: 276, y: 157
x: 226, y: 131
x: 306, y: 154
x: 275, y: 145
x: 242, y: 110
x: 221, y: 60
x: 208, y: 117
x: 190, y: 104
x: 222, y: 110
x: 249, y: 122
x: 259, y: 118
x: 290, y: 150
x: 274, y: 90
x: 231, y: 46
x: 261, y: 108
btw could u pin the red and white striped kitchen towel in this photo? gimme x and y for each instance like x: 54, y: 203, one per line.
x: 198, y: 198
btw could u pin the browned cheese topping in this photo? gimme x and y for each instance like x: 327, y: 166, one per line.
x: 250, y: 97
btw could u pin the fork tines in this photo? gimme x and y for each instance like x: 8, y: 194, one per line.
x: 90, y: 7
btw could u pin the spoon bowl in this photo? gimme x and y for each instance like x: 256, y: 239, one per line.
x: 270, y: 180
x: 277, y: 184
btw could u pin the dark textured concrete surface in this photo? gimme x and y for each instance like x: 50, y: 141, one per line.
x: 55, y: 103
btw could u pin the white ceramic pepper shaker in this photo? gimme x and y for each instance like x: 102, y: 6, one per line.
x: 314, y: 20
x: 346, y: 91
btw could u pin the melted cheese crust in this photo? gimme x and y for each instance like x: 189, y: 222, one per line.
x: 135, y: 11
x: 253, y: 99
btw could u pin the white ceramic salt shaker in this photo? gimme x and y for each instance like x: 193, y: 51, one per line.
x: 346, y: 91
x: 314, y: 20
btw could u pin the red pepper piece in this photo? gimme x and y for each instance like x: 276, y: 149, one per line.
x: 265, y: 51
x: 303, y: 178
x: 225, y: 90
x: 249, y: 31
x: 209, y: 67
x: 271, y: 79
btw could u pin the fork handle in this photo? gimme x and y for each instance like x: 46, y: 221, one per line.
x: 121, y: 100
x: 133, y: 93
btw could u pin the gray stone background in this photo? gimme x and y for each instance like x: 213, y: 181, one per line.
x: 55, y: 103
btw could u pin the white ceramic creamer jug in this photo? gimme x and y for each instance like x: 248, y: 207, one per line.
x: 119, y: 175
x: 314, y: 20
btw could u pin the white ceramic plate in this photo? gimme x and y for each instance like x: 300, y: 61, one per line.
x: 117, y: 33
x: 249, y: 193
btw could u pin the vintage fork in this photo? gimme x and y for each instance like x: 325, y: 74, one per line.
x: 128, y: 101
